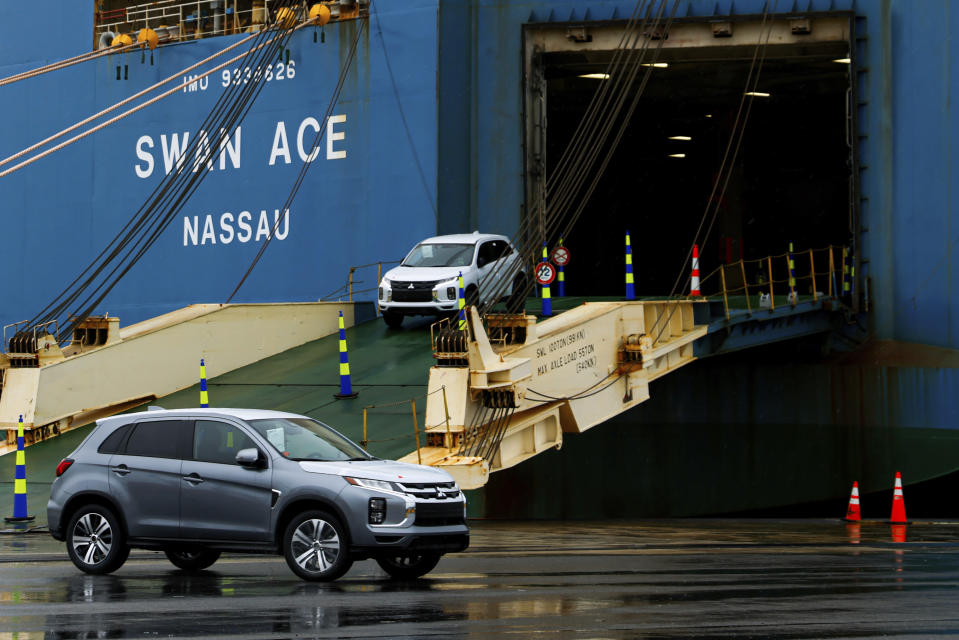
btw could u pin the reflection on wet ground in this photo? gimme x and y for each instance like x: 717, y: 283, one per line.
x: 718, y: 578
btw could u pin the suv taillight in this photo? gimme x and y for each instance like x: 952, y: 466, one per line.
x: 63, y: 466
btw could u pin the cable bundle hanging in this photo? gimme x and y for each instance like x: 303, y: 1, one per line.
x: 564, y: 198
x: 309, y: 159
x: 78, y: 300
x: 725, y: 166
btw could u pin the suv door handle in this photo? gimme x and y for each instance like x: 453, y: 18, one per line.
x: 120, y: 470
x: 193, y: 478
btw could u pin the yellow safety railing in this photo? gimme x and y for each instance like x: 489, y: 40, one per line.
x: 416, y: 429
x: 349, y: 288
x: 778, y: 274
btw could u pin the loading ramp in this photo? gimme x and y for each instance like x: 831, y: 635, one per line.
x: 509, y: 401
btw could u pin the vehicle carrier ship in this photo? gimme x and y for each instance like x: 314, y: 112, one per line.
x: 452, y: 116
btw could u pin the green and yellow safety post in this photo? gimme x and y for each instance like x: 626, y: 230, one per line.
x: 630, y: 285
x: 547, y: 303
x: 204, y: 394
x: 461, y: 302
x: 846, y: 280
x: 20, y: 481
x: 346, y: 389
x: 850, y: 273
x: 792, y: 275
x: 561, y: 288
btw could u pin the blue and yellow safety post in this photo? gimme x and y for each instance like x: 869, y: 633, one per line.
x: 630, y: 286
x: 561, y: 277
x: 792, y: 276
x: 20, y: 481
x: 461, y: 302
x: 204, y: 394
x: 346, y: 389
x: 547, y: 306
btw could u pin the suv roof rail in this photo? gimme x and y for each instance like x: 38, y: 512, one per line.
x: 154, y: 407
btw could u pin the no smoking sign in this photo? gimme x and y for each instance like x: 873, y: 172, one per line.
x: 560, y: 256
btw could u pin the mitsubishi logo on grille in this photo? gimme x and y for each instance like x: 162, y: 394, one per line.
x: 411, y: 286
x: 440, y: 494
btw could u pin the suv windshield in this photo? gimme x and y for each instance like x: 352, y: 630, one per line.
x: 303, y: 439
x: 440, y: 255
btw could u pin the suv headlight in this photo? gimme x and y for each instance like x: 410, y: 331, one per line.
x: 366, y: 483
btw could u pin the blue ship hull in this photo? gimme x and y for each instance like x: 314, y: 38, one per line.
x: 454, y: 106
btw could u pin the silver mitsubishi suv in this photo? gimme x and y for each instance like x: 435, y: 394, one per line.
x: 196, y: 482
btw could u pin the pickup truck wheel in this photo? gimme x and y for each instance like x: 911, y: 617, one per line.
x: 408, y: 567
x: 95, y: 541
x: 192, y: 560
x: 392, y: 320
x: 316, y: 548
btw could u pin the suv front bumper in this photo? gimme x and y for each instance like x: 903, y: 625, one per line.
x: 419, y: 308
x: 450, y: 539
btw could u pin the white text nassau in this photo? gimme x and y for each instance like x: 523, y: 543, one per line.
x: 243, y: 227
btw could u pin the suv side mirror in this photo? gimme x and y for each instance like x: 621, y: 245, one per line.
x: 248, y: 457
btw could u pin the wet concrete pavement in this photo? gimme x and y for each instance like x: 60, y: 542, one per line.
x: 715, y: 578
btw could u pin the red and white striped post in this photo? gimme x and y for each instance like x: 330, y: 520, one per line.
x: 694, y: 280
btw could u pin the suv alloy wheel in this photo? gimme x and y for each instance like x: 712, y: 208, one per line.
x: 316, y: 547
x: 95, y: 542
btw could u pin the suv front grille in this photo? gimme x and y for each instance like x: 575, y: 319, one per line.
x: 439, y: 514
x: 431, y: 490
x: 420, y: 291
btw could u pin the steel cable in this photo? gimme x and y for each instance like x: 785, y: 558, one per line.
x: 139, y: 94
x: 612, y: 112
x: 734, y: 143
x: 69, y: 62
x: 145, y: 226
x: 309, y: 161
x: 598, y: 105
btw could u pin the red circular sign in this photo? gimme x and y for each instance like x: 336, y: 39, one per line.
x: 545, y: 273
x: 560, y: 256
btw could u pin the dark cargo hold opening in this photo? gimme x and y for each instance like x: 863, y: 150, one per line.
x: 792, y: 179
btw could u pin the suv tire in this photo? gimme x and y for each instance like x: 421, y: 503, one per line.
x: 471, y: 295
x: 192, y: 560
x: 95, y: 542
x: 316, y: 547
x: 393, y: 320
x: 408, y: 567
x: 517, y: 298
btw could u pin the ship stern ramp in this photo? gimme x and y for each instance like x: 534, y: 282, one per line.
x: 153, y: 358
x: 570, y: 373
x: 510, y: 394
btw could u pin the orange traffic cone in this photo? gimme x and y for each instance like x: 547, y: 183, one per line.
x: 852, y: 513
x: 898, y: 504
